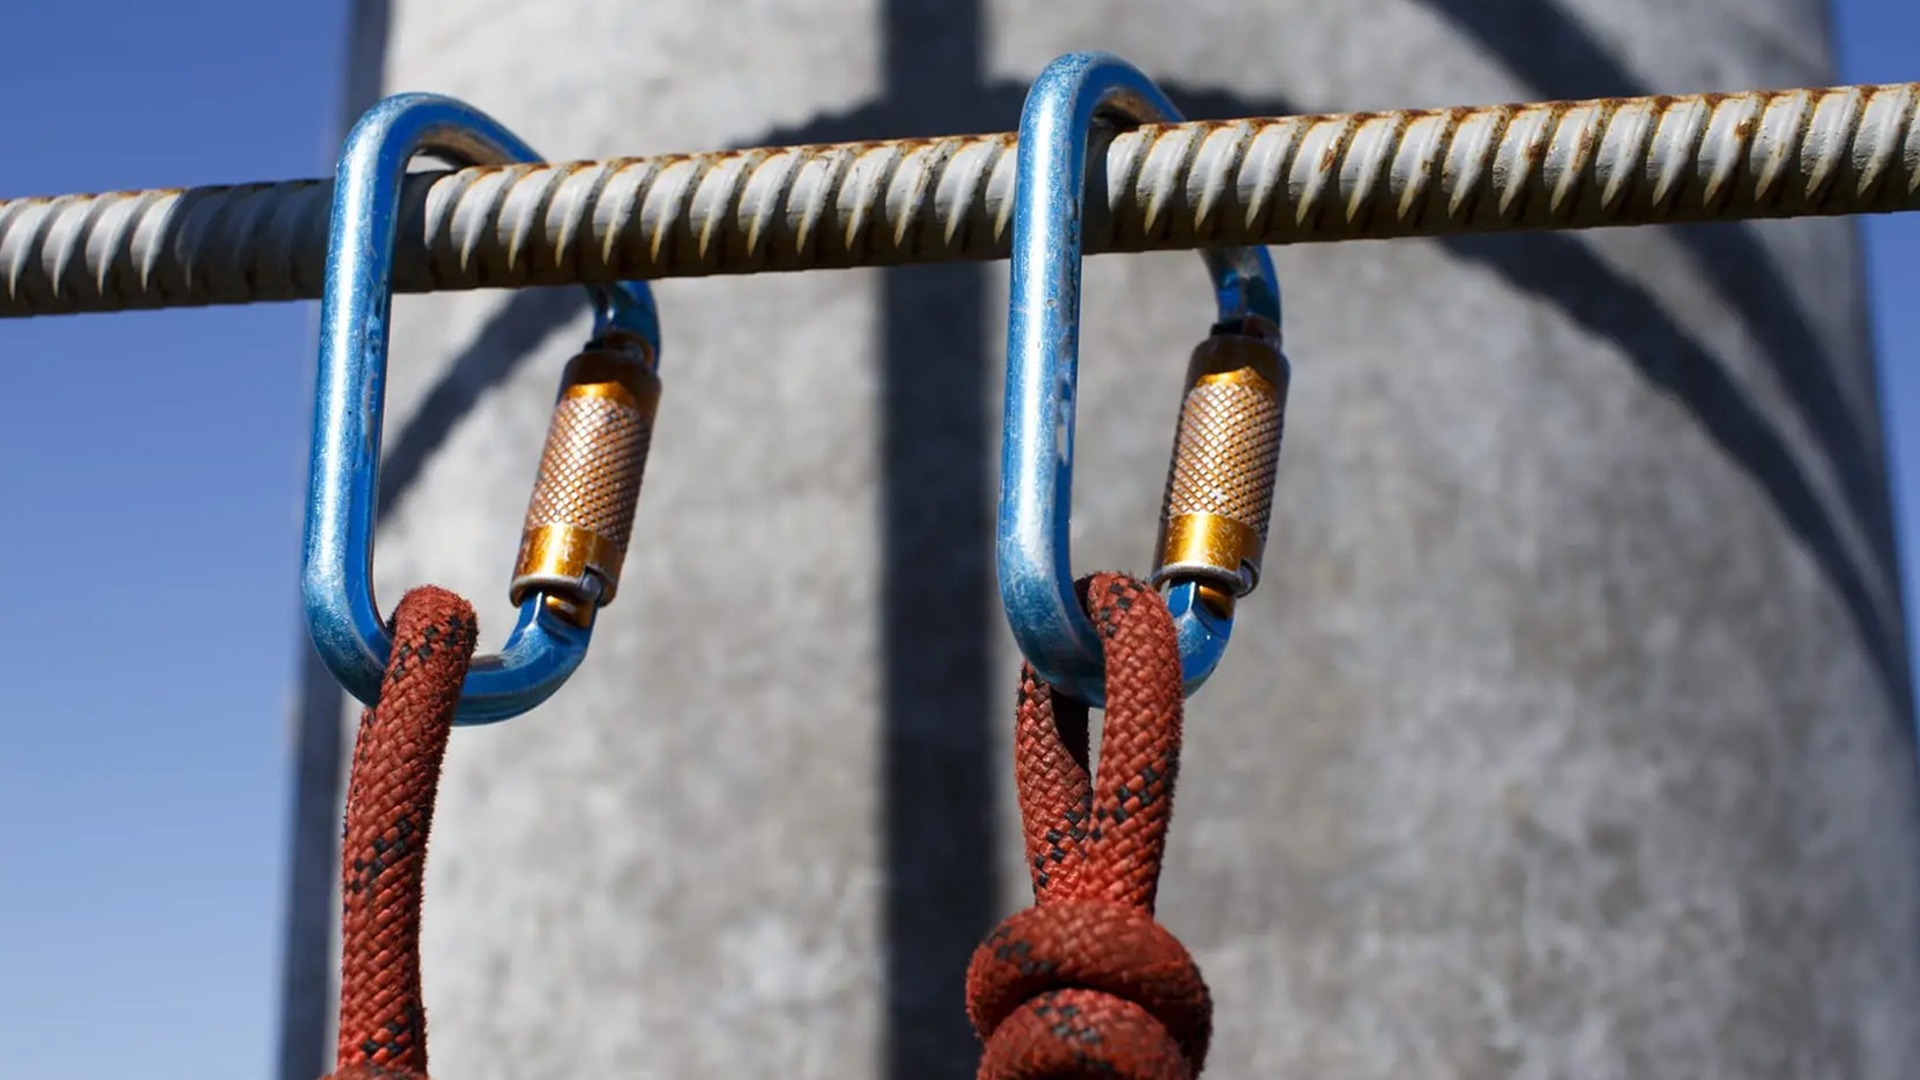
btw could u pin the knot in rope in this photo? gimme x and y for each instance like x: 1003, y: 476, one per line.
x: 1085, y: 983
x: 397, y: 755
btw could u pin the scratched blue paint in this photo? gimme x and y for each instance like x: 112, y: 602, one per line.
x: 1043, y: 357
x: 344, y: 481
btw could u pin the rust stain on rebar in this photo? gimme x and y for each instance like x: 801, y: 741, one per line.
x: 846, y: 187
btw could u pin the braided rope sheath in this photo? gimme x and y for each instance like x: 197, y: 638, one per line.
x: 1085, y: 984
x: 1564, y: 165
x: 396, y: 771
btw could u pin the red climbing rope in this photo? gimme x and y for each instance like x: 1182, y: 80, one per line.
x: 1085, y: 983
x: 396, y: 769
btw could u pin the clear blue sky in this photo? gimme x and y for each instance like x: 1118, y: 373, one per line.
x: 152, y: 466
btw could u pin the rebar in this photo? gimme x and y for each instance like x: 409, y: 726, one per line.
x: 1287, y: 180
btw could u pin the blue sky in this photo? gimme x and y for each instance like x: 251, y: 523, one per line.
x: 157, y: 460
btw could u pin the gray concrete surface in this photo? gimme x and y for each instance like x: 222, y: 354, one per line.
x: 1569, y: 735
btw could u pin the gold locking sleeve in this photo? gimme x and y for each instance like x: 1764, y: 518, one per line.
x: 580, y: 517
x: 1213, y: 522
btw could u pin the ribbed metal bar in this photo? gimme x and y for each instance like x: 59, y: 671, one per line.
x: 1556, y: 165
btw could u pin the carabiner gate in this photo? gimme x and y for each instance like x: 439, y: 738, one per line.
x: 582, y: 508
x: 1220, y: 486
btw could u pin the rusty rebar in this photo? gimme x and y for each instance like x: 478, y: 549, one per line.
x: 1289, y: 180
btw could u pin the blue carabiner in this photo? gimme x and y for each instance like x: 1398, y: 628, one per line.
x: 336, y: 576
x: 1036, y: 478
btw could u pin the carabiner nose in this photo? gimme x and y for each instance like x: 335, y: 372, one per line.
x: 1210, y: 546
x: 344, y: 620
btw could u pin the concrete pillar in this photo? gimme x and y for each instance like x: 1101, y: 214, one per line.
x: 1569, y: 734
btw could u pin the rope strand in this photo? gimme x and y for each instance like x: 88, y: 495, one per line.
x: 1085, y: 985
x: 397, y: 755
x: 1082, y: 985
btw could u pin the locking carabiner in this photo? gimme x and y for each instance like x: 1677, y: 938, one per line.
x: 582, y: 508
x: 1220, y: 487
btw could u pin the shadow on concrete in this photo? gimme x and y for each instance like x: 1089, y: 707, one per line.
x: 1544, y: 47
x: 939, y: 769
